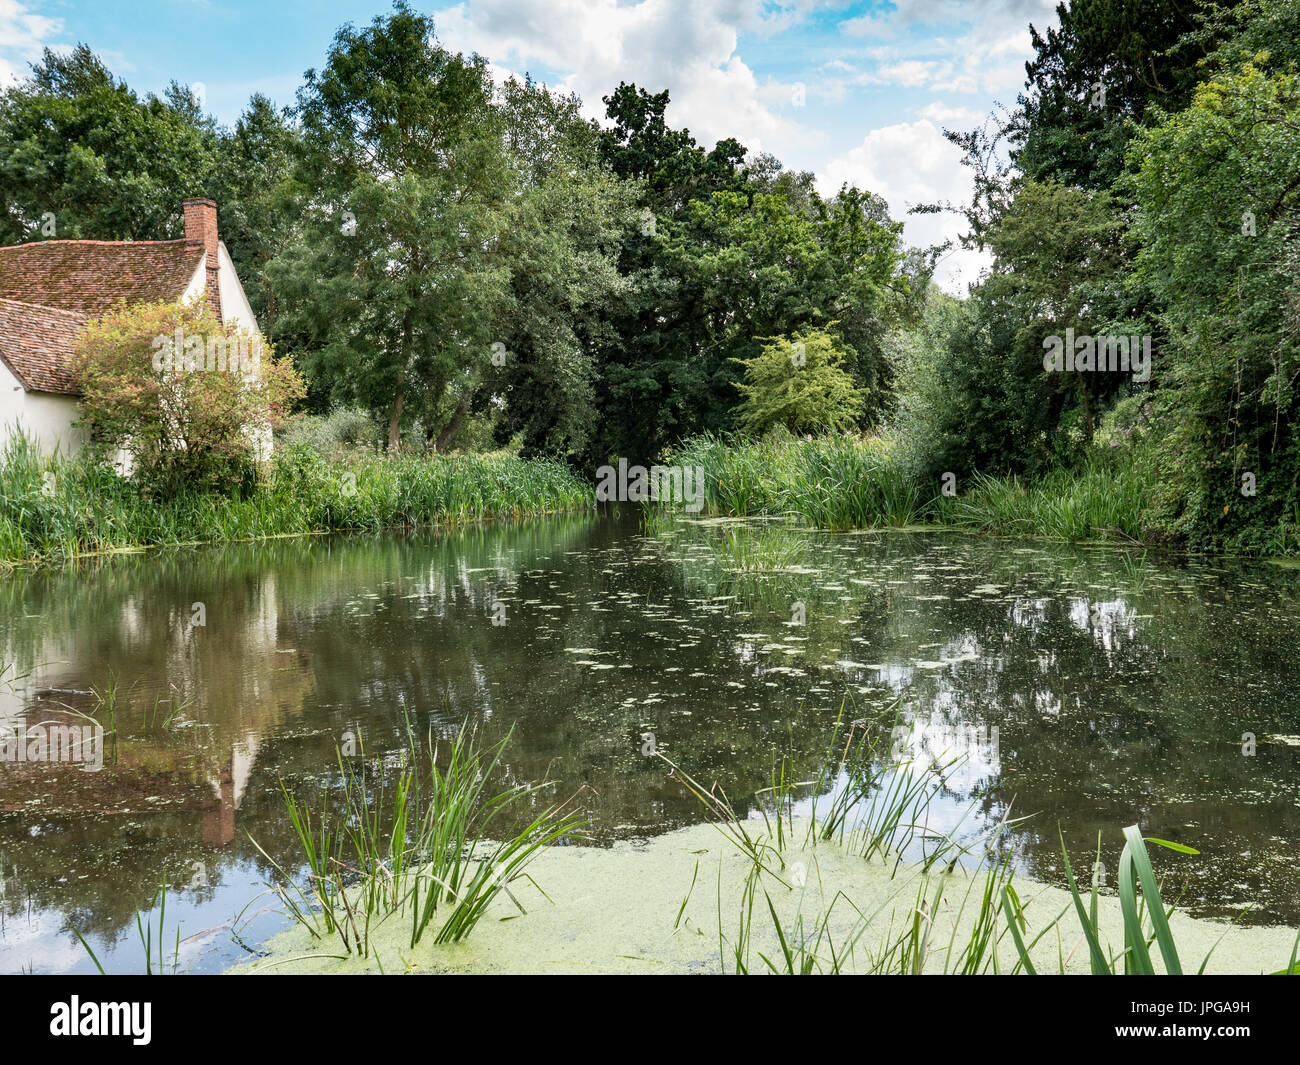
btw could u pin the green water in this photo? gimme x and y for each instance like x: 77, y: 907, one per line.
x: 1119, y: 694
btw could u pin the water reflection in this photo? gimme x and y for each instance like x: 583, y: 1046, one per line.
x: 1117, y: 695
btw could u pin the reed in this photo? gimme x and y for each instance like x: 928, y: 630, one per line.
x: 877, y: 802
x: 1100, y: 502
x: 831, y: 482
x: 806, y: 948
x: 876, y: 809
x: 145, y: 930
x: 842, y: 482
x: 53, y: 508
x: 424, y: 851
x: 1138, y: 907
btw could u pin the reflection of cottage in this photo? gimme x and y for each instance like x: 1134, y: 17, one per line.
x: 228, y: 788
x: 50, y: 289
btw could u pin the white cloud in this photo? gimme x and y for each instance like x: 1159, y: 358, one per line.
x: 690, y: 48
x: 943, y: 114
x: 907, y: 13
x: 913, y: 73
x: 875, y: 26
x: 23, y: 34
x: 980, y: 46
x: 909, y: 164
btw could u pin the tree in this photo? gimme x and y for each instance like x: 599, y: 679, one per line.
x: 188, y: 399
x: 868, y: 285
x: 1218, y: 196
x: 1092, y: 79
x: 571, y: 216
x: 660, y: 376
x: 1059, y: 262
x: 252, y: 183
x: 798, y: 382
x: 81, y: 155
x: 726, y: 255
x: 641, y: 146
x: 402, y: 267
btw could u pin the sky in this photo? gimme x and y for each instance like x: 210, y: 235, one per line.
x: 853, y: 91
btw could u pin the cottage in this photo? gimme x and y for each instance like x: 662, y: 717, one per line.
x: 50, y: 289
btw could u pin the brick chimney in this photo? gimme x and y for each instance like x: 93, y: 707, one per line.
x: 201, y: 230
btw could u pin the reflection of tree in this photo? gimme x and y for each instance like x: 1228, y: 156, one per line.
x: 1127, y: 713
x: 189, y: 708
x: 1130, y: 713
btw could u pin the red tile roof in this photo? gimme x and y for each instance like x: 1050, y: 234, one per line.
x: 36, y: 345
x: 49, y: 289
x: 92, y: 276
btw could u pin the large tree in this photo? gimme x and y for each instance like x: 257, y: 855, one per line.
x: 81, y: 155
x: 401, y: 270
x: 1218, y: 195
x: 570, y: 218
x: 1093, y: 78
x: 257, y: 199
x: 728, y: 252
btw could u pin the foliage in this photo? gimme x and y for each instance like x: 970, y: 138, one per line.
x: 1098, y: 502
x: 473, y: 265
x: 54, y: 508
x: 829, y: 482
x: 723, y: 257
x: 81, y: 155
x: 190, y: 401
x: 399, y: 268
x: 1092, y: 79
x: 252, y: 183
x: 1216, y: 189
x: 423, y: 853
x: 562, y: 248
x: 799, y: 383
x: 331, y: 434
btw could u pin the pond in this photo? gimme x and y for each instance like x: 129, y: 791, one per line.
x: 1085, y: 689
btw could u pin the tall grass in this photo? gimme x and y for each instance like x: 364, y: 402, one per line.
x: 806, y: 942
x: 55, y: 508
x: 848, y: 483
x: 871, y: 815
x: 1099, y: 502
x: 878, y: 801
x: 1146, y: 920
x: 832, y: 482
x: 435, y: 851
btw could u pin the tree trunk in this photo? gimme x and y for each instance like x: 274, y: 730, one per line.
x: 1087, y: 408
x: 399, y: 401
x: 450, y: 430
x: 395, y: 421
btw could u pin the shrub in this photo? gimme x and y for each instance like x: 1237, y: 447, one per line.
x: 799, y: 383
x: 191, y: 402
x: 333, y: 433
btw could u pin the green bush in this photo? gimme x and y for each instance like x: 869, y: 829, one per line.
x: 330, y: 434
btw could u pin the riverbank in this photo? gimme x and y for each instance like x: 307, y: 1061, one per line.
x: 56, y: 509
x: 654, y: 907
x: 841, y: 483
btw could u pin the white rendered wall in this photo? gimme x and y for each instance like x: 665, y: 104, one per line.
x: 45, y: 418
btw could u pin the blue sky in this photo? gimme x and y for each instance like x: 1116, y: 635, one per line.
x: 851, y: 91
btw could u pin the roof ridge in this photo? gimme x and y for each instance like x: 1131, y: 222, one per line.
x: 79, y: 315
x: 79, y: 240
